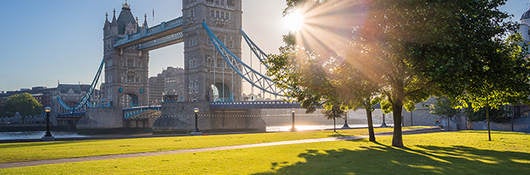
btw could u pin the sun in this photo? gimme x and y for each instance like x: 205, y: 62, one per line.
x: 293, y: 21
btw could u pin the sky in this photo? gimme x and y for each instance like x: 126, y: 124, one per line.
x: 46, y: 42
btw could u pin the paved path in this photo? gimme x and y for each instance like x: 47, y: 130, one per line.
x: 196, y: 150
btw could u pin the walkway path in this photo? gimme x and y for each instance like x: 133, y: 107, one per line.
x: 196, y: 150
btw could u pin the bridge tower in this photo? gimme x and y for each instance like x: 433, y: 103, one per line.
x: 126, y: 73
x: 208, y: 78
x: 126, y: 69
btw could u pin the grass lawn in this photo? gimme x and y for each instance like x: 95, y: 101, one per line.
x: 16, y: 152
x: 464, y: 152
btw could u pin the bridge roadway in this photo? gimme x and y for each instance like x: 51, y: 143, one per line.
x: 129, y: 113
x: 164, y: 34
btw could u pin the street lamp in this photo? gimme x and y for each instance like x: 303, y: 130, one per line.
x: 346, y: 126
x: 48, y: 135
x: 196, y: 131
x: 383, y: 125
x: 292, y: 121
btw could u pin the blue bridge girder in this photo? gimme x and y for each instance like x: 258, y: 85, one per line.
x: 164, y: 34
x: 129, y: 113
x: 254, y: 77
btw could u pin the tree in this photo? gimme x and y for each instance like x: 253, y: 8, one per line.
x: 483, y: 65
x: 23, y: 103
x: 334, y: 110
x: 318, y: 76
x: 356, y: 87
x: 444, y: 48
x: 383, y: 38
x: 444, y: 107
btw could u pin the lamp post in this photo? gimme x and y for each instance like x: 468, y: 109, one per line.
x: 48, y: 135
x: 292, y: 121
x: 383, y: 125
x: 346, y: 126
x: 196, y: 131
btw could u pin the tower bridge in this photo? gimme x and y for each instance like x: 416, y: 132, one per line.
x: 212, y: 35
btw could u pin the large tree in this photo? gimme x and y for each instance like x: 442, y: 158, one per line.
x: 317, y: 73
x: 23, y: 103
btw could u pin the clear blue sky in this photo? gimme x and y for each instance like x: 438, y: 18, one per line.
x: 43, y: 42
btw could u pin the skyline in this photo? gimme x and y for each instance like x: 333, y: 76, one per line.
x: 62, y: 40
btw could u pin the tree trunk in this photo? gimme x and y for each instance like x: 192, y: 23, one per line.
x: 371, y: 133
x: 488, y: 120
x: 397, y: 138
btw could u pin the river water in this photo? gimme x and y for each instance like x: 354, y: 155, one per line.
x: 37, y: 135
x: 60, y: 134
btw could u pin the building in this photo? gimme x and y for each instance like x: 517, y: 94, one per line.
x: 169, y: 82
x: 524, y: 26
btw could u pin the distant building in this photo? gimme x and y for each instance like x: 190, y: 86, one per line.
x: 169, y: 82
x: 524, y: 30
x: 524, y: 26
x: 41, y: 93
x: 71, y: 94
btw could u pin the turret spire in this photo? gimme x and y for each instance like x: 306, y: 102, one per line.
x: 145, y: 21
x: 113, y: 15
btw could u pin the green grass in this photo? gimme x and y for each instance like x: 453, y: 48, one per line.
x: 464, y: 152
x: 16, y: 152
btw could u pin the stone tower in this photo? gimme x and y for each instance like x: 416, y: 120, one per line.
x: 208, y: 78
x: 126, y: 70
x: 524, y: 26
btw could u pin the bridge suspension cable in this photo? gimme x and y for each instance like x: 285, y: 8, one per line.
x: 86, y: 98
x: 246, y: 72
x: 255, y: 49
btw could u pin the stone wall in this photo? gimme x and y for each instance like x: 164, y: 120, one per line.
x: 519, y: 125
x: 179, y: 117
x: 101, y: 118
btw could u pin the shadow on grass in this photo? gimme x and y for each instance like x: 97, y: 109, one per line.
x: 383, y: 159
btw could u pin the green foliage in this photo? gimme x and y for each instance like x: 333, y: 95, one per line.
x: 333, y: 110
x: 23, y: 103
x: 444, y: 107
x: 497, y: 115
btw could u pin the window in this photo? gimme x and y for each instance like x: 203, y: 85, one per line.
x: 131, y: 77
x: 130, y: 62
x: 230, y: 3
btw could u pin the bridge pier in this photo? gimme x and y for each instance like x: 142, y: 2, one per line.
x: 179, y: 117
x: 101, y: 118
